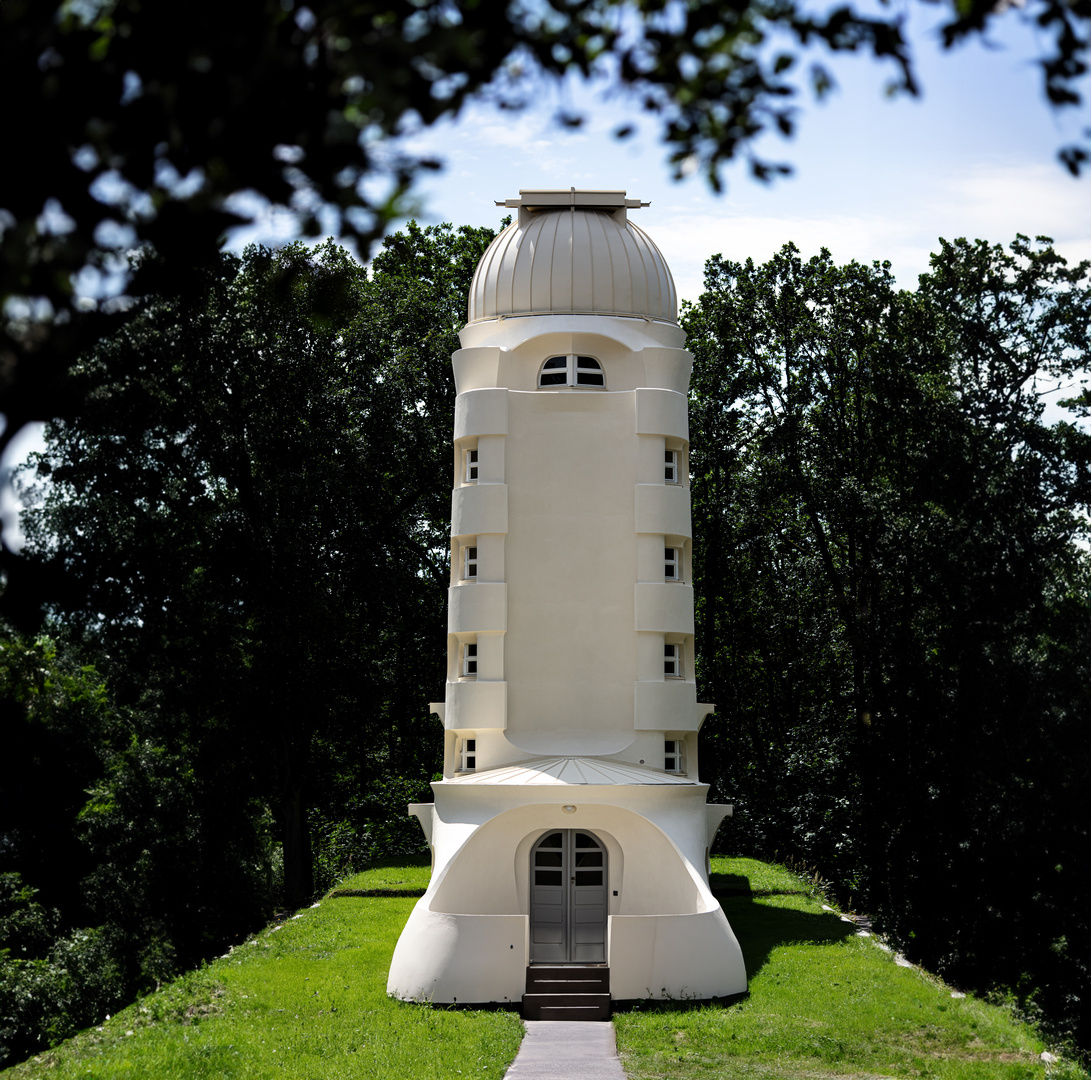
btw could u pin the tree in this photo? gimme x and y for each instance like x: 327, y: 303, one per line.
x: 138, y: 128
x: 60, y: 728
x: 896, y: 611
x: 248, y: 508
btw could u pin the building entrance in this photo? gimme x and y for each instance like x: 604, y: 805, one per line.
x: 568, y: 882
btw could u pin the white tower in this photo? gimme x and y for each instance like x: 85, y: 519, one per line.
x: 570, y: 827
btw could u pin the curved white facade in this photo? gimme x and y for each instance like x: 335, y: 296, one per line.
x: 571, y: 705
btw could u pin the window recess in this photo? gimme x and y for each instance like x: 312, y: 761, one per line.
x: 572, y: 370
x: 670, y: 467
x: 469, y: 660
x: 469, y: 563
x: 672, y: 564
x: 674, y: 755
x: 470, y: 467
x: 467, y: 755
x: 672, y: 661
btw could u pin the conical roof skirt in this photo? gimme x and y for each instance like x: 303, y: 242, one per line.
x: 563, y: 771
x: 574, y: 259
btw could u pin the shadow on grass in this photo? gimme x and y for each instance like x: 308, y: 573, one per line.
x: 339, y: 893
x: 760, y: 928
x: 396, y: 862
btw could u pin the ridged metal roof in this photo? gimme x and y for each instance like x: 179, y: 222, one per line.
x: 573, y: 260
x: 562, y: 771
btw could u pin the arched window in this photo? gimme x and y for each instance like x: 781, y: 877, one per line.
x: 572, y: 370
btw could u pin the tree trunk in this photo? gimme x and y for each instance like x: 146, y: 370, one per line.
x: 298, y: 867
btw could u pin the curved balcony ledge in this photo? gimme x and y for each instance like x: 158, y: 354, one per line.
x: 481, y: 608
x: 479, y: 508
x: 663, y: 508
x: 481, y: 412
x: 476, y: 706
x: 665, y: 608
x: 662, y: 412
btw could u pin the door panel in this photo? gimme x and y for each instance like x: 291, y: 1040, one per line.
x: 568, y: 899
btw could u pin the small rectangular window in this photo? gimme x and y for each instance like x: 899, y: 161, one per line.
x: 673, y: 755
x: 469, y: 660
x: 672, y: 564
x: 471, y: 467
x: 672, y: 661
x: 670, y: 466
x: 468, y: 755
x: 469, y: 563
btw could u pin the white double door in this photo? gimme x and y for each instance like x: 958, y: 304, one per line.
x: 568, y: 899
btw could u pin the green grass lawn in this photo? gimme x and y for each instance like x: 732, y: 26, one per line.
x: 306, y: 998
x: 823, y: 1003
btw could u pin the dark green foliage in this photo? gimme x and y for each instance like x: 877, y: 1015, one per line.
x: 56, y: 974
x: 362, y: 828
x: 894, y: 606
x: 181, y: 857
x: 47, y: 998
x: 59, y: 729
x: 251, y: 515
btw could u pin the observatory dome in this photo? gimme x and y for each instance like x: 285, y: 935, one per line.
x: 573, y: 252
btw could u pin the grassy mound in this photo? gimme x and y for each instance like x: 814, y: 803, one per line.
x: 306, y: 998
x: 825, y: 1003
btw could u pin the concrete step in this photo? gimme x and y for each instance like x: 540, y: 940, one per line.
x: 566, y: 1006
x: 568, y: 979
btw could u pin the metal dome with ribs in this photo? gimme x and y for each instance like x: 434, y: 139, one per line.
x: 573, y: 252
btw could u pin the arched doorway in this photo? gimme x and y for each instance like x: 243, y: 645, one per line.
x: 568, y: 883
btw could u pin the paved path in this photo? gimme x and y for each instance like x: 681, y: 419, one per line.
x: 567, y: 1050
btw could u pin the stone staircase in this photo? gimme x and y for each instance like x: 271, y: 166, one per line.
x: 570, y: 992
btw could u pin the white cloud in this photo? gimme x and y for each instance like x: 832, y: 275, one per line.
x: 981, y: 201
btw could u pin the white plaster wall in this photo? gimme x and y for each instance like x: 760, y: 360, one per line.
x: 570, y: 649
x: 669, y: 369
x: 669, y: 704
x: 476, y: 704
x: 667, y: 935
x: 566, y: 468
x: 479, y: 508
x: 480, y: 607
x: 507, y: 353
x: 675, y: 957
x: 481, y: 412
x: 661, y: 411
x: 475, y: 869
x: 490, y: 449
x: 666, y: 608
x: 460, y: 958
x: 663, y: 508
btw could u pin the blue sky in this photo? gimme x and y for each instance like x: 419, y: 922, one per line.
x: 875, y: 178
